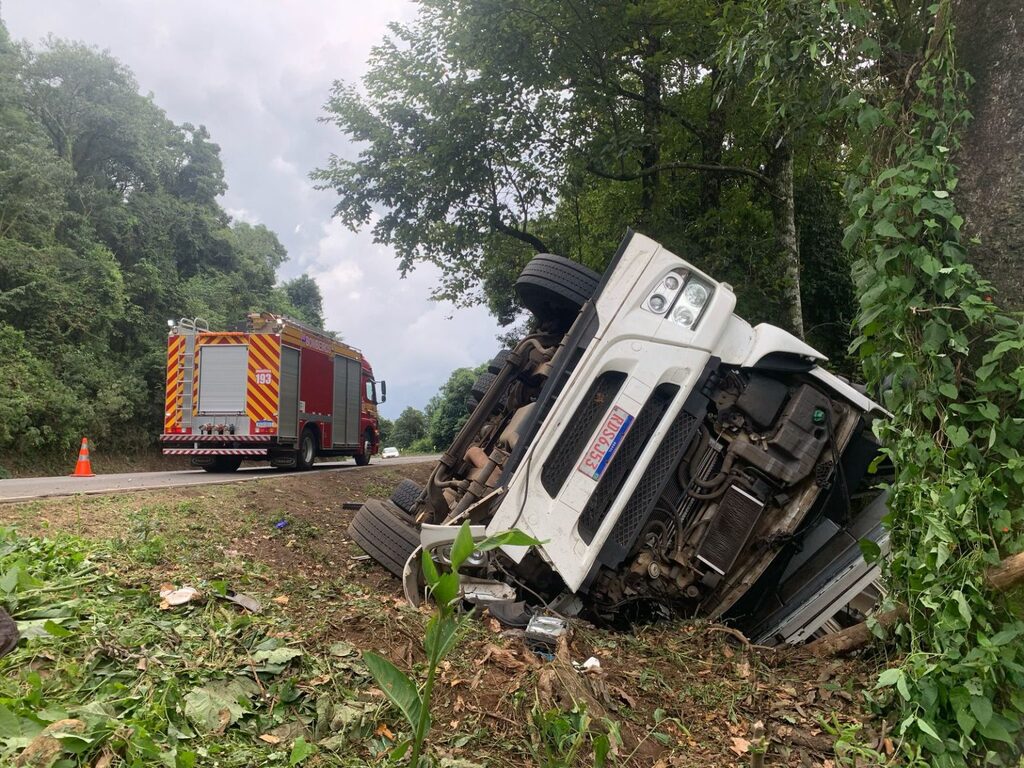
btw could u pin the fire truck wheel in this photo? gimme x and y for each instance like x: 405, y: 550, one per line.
x: 384, y: 534
x: 405, y: 494
x: 554, y: 288
x: 362, y: 459
x: 224, y: 464
x: 306, y: 454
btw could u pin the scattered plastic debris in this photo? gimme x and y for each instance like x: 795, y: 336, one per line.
x: 281, y: 524
x: 250, y: 604
x: 172, y: 596
x: 545, y: 630
x: 592, y: 666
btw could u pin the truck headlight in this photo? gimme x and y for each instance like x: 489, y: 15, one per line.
x: 692, y: 300
x: 680, y: 297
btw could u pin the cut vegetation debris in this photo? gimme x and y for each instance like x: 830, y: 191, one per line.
x: 103, y: 677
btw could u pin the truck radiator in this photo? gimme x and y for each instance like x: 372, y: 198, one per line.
x: 729, y: 529
x: 618, y: 470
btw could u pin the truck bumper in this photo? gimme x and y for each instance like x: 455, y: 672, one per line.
x: 249, y: 446
x: 252, y: 453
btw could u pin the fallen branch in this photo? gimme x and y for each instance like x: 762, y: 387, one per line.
x: 1001, y: 578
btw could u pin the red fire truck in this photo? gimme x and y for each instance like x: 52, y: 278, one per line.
x: 279, y: 391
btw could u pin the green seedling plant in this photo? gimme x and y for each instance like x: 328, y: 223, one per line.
x: 442, y: 633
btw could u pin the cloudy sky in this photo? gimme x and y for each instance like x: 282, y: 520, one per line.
x: 257, y: 73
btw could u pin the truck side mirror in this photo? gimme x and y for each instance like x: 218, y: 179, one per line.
x: 383, y: 391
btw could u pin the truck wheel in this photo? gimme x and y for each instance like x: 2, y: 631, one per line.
x: 306, y: 453
x: 224, y: 464
x: 498, y: 362
x: 405, y: 495
x: 554, y: 288
x: 362, y: 459
x: 384, y: 535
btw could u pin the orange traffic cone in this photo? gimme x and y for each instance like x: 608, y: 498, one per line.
x: 83, y: 468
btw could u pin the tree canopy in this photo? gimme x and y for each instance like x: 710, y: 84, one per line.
x: 109, y: 225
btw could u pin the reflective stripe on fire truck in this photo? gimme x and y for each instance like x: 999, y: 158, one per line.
x: 264, y: 378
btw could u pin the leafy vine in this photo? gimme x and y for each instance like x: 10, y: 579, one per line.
x: 950, y: 362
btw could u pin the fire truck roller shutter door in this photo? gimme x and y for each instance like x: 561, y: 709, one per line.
x: 347, y: 391
x: 222, y: 382
x: 288, y: 418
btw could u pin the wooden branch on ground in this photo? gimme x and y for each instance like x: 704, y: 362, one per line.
x: 1001, y: 578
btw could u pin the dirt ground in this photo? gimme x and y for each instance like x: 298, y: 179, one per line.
x: 680, y: 694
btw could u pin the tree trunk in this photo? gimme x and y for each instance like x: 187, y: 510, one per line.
x: 780, y: 173
x: 990, y: 195
x: 712, y: 141
x: 1001, y: 578
x: 650, y: 153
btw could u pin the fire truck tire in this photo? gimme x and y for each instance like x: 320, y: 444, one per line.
x: 306, y: 453
x: 224, y: 464
x: 554, y: 288
x: 362, y: 459
x: 384, y: 534
x: 405, y: 494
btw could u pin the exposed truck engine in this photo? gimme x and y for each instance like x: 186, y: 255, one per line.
x: 672, y: 459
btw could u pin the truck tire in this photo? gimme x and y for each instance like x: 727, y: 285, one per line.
x: 499, y: 361
x: 305, y: 454
x: 384, y: 534
x: 405, y: 495
x: 480, y: 387
x: 554, y: 288
x: 363, y: 458
x: 224, y: 464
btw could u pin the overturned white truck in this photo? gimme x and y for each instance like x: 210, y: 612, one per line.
x: 673, y: 460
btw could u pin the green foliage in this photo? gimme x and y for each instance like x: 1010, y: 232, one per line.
x: 489, y: 133
x: 448, y: 410
x: 110, y: 225
x: 410, y: 426
x: 559, y: 737
x: 194, y: 686
x: 442, y: 632
x: 950, y: 361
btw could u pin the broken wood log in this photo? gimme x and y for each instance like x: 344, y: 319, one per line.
x: 1001, y: 578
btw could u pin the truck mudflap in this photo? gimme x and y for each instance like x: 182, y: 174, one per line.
x: 261, y: 453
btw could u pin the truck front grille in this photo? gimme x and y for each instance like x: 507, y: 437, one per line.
x: 578, y: 430
x: 638, y: 508
x: 618, y: 470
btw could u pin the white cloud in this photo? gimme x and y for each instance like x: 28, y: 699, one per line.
x: 411, y: 341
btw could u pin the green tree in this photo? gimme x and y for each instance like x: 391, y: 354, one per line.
x: 410, y: 426
x: 491, y: 133
x: 448, y: 410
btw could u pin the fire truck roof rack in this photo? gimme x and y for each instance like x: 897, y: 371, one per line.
x: 264, y: 322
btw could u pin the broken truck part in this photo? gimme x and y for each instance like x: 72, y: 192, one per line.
x: 672, y: 458
x: 279, y: 391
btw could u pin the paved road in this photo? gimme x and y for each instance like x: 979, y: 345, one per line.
x: 26, y: 488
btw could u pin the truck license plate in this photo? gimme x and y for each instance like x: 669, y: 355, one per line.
x: 607, y: 442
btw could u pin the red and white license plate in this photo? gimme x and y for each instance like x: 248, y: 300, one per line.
x: 608, y: 441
